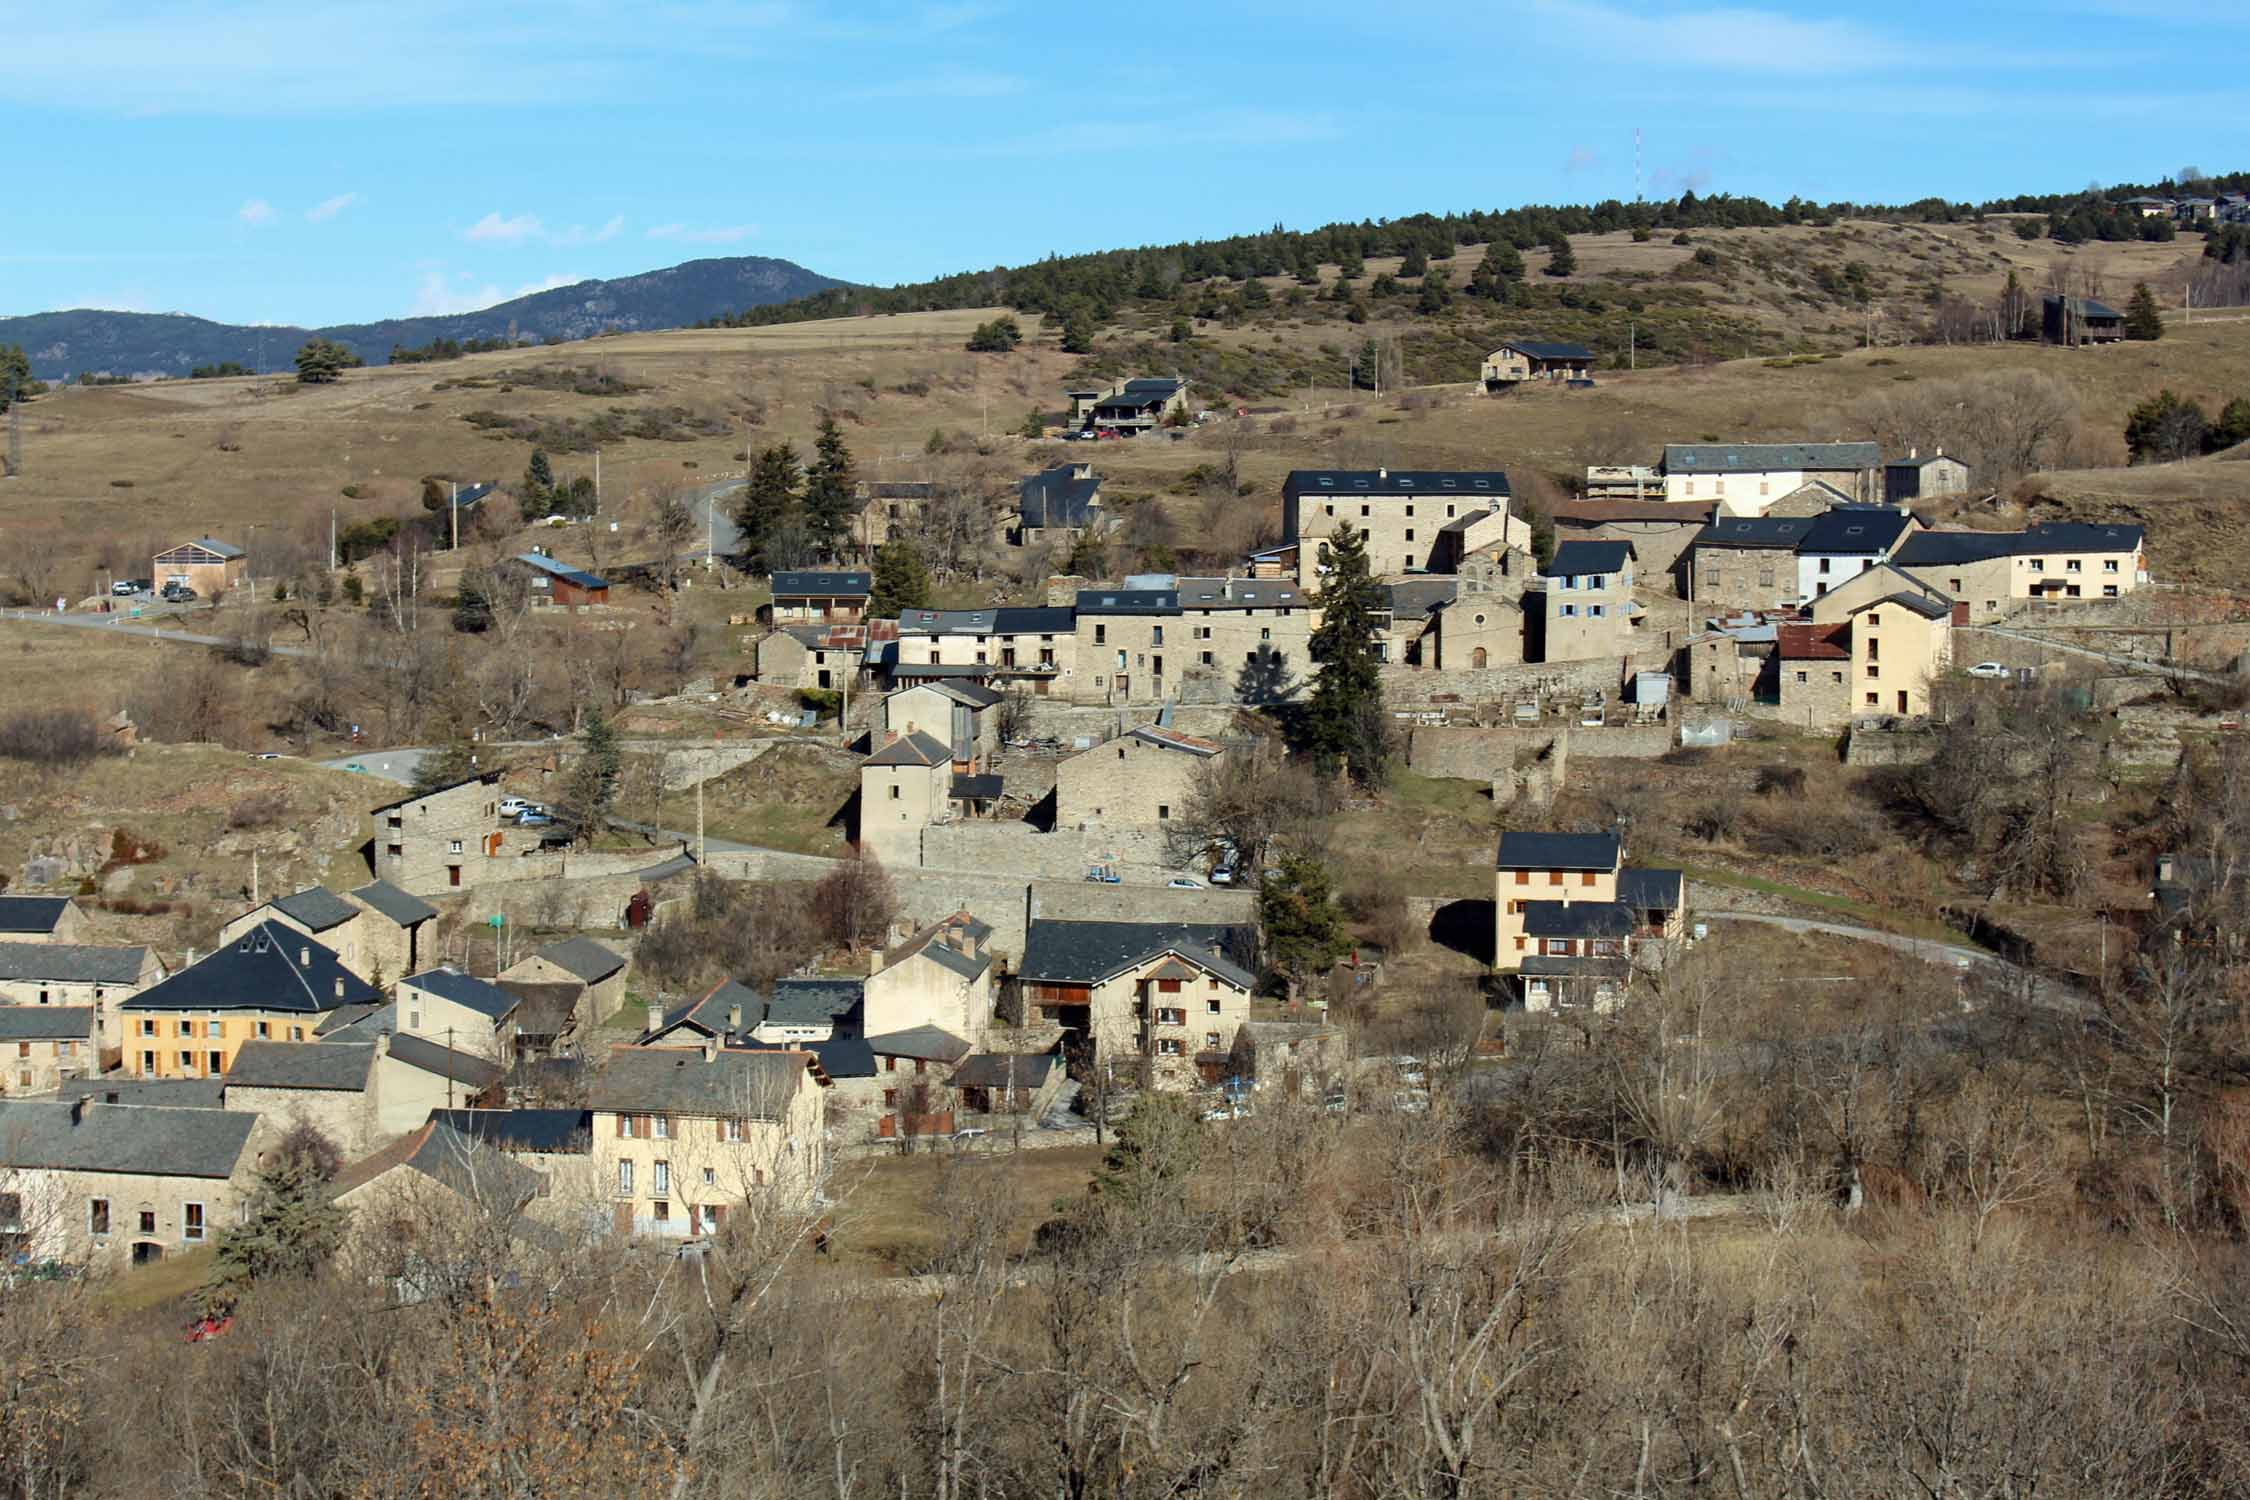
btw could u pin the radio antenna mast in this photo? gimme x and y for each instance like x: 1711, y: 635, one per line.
x: 1636, y: 163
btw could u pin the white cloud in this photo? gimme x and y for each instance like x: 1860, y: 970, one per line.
x: 328, y: 208
x: 546, y: 284
x: 492, y: 229
x: 612, y: 229
x: 437, y: 296
x: 256, y: 211
x: 728, y: 234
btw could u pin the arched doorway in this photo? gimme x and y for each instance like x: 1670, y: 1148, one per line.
x: 147, y: 1252
x: 1477, y: 657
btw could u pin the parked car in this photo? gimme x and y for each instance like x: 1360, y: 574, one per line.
x: 532, y: 817
x: 1988, y: 669
x: 1183, y: 883
x: 510, y: 806
x: 125, y: 586
x: 177, y: 593
x: 1223, y: 875
x: 1232, y: 1109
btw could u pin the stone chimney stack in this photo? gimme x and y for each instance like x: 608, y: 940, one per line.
x: 734, y: 1020
x: 655, y: 1017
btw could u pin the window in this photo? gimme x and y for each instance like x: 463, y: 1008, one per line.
x: 1204, y: 658
x: 1163, y: 811
x: 148, y: 1221
x: 191, y: 1222
x: 1211, y: 1007
x: 1410, y: 533
x: 148, y: 1026
x: 731, y: 1130
x: 1555, y: 947
x: 624, y: 1179
x: 1265, y: 632
x: 1874, y: 700
x: 2036, y: 564
x: 296, y: 1033
x: 1156, y: 635
x: 187, y: 1028
x: 1586, y: 877
x: 2109, y: 591
x: 1824, y: 565
x: 660, y: 1178
x: 1569, y: 611
x: 1953, y: 585
x: 1167, y: 986
x: 453, y: 846
x: 265, y: 1030
x: 894, y: 791
x: 1593, y: 611
x: 2073, y: 565
x: 23, y: 1049
x: 1835, y: 677
x: 218, y: 1063
x: 148, y: 1062
x: 1170, y: 1015
x: 1101, y: 634
x: 187, y: 1062
x: 1800, y: 677
x: 1170, y: 1046
x: 1210, y: 1041
x: 660, y: 1211
x: 1523, y: 877
x: 2109, y: 565
x: 97, y: 1216
x: 711, y: 1174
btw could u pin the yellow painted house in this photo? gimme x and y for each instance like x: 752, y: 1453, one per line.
x: 268, y: 983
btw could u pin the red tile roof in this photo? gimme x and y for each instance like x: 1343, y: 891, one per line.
x: 1816, y: 642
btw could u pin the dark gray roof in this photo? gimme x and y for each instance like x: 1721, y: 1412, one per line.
x: 138, y: 1140
x: 912, y: 749
x: 1034, y: 619
x: 970, y: 694
x: 548, y: 1008
x: 270, y: 968
x: 553, y: 569
x: 38, y: 1023
x: 1577, y: 919
x: 473, y: 496
x: 1783, y: 532
x: 171, y: 1093
x: 444, y: 1155
x: 1540, y: 965
x: 900, y: 489
x: 806, y: 582
x: 999, y: 1070
x: 976, y: 788
x: 1931, y: 549
x: 548, y: 1130
x: 921, y: 671
x: 480, y: 995
x: 317, y: 907
x: 1089, y: 952
x: 1415, y: 598
x: 2086, y: 307
x: 1240, y: 593
x: 396, y: 904
x: 1153, y: 385
x: 1649, y: 890
x: 341, y: 1066
x: 71, y: 963
x: 1558, y: 851
x: 812, y: 1001
x: 2076, y: 536
x: 1403, y: 483
x: 1057, y: 497
x: 839, y: 1057
x: 1753, y: 458
x: 1539, y: 350
x: 31, y: 913
x: 708, y: 1014
x: 213, y: 544
x: 931, y: 1043
x: 487, y: 777
x: 1582, y: 559
x: 1128, y: 601
x: 1921, y: 604
x: 753, y: 1082
x: 1854, y: 531
x: 446, y: 1062
x: 361, y: 1022
x: 582, y: 956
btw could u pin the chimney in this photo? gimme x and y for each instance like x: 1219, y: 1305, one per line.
x: 1383, y: 471
x: 710, y: 1049
x: 339, y: 988
x: 1912, y: 454
x: 382, y: 1045
x: 1938, y: 451
x: 734, y: 1020
x: 874, y: 962
x: 655, y: 1017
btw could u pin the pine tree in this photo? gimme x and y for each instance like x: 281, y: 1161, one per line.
x: 770, y: 502
x: 538, y: 477
x: 322, y: 360
x: 451, y: 760
x: 1415, y: 262
x: 1078, y: 330
x: 1301, y: 922
x: 1343, y: 721
x: 829, y: 485
x: 2143, y: 319
x: 1564, y: 260
x: 1436, y: 294
x: 1146, y: 1169
x: 591, y: 790
x: 293, y: 1227
x: 901, y: 582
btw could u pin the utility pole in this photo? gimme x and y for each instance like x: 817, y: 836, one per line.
x: 331, y: 538
x: 455, y: 508
x: 597, y: 481
x: 1633, y: 339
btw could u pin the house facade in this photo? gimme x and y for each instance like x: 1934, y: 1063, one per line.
x: 1134, y: 406
x: 269, y: 983
x: 1141, y: 779
x: 1746, y: 562
x: 1058, y: 503
x: 1400, y: 511
x: 1513, y: 364
x: 100, y: 978
x: 1571, y: 917
x: 1160, y: 1001
x: 957, y: 712
x: 1995, y: 573
x: 598, y: 973
x: 1033, y: 647
x: 1844, y: 542
x: 1900, y: 636
x: 904, y: 787
x: 941, y: 976
x: 41, y: 919
x: 1917, y: 478
x: 1585, y: 599
x: 1744, y: 479
x: 43, y: 1045
x: 447, y: 839
x: 207, y: 565
x: 810, y: 597
x: 1228, y: 638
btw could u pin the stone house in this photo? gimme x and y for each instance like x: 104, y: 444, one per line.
x: 1155, y: 1000
x: 683, y: 1135
x: 447, y: 839
x: 1141, y: 779
x: 1133, y: 406
x: 1900, y: 635
x: 434, y: 1174
x: 460, y: 1010
x: 78, y: 974
x: 1746, y: 562
x: 889, y: 507
x: 41, y: 1045
x: 1571, y: 917
x: 598, y: 973
x: 1996, y: 573
x: 269, y: 983
x: 1914, y: 477
x: 1289, y: 1057
x: 331, y: 1086
x: 961, y: 713
x: 1033, y: 646
x: 1401, y: 511
x: 904, y: 787
x: 41, y: 919
x: 122, y: 1184
x: 1236, y: 637
x: 811, y: 597
x: 941, y: 976
x: 374, y: 931
x: 1813, y: 673
x: 824, y: 658
x: 1057, y: 505
x: 1513, y: 364
x: 1659, y: 531
x: 1008, y: 1083
x: 1582, y: 607
x: 557, y: 1144
x: 1744, y: 479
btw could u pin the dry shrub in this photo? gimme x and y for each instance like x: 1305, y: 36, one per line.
x: 1823, y: 830
x: 259, y: 810
x: 732, y: 929
x: 1379, y: 912
x: 54, y: 737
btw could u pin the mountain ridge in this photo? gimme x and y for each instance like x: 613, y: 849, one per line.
x: 64, y: 343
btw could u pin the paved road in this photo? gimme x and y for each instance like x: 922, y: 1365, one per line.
x: 720, y: 531
x: 391, y: 765
x: 121, y: 625
x: 1960, y: 956
x: 2114, y: 658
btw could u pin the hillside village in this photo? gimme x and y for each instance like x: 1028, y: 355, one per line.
x: 949, y: 894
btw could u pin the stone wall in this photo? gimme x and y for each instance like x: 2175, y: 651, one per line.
x: 1889, y: 747
x: 1137, y: 854
x: 1411, y: 687
x: 1480, y: 754
x: 1084, y: 901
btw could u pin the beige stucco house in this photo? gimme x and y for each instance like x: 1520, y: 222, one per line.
x: 269, y: 983
x: 1155, y: 1000
x: 1402, y: 512
x: 41, y: 919
x: 1899, y: 636
x: 1744, y: 479
x: 941, y: 976
x: 1584, y: 599
x: 41, y: 1045
x: 1996, y: 573
x: 78, y: 974
x: 1571, y: 917
x: 904, y: 787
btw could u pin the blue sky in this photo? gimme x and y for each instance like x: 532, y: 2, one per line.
x: 284, y: 161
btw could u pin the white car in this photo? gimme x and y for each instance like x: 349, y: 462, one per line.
x: 510, y: 806
x: 1988, y: 669
x: 1183, y: 883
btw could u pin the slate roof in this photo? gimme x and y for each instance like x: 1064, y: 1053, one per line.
x: 802, y: 583
x: 1558, y: 851
x: 1816, y: 642
x: 1932, y: 549
x: 930, y: 1043
x: 1417, y: 597
x: 1650, y: 890
x: 812, y: 1001
x: 1090, y: 952
x: 212, y: 544
x: 460, y: 1162
x: 1541, y: 965
x: 1057, y: 497
x: 359, y: 1023
x: 1400, y: 483
x: 1921, y: 604
x: 1539, y: 350
x: 930, y: 941
x: 340, y: 1066
x: 260, y: 970
x: 757, y: 1083
x: 969, y: 694
x: 142, y: 1140
x: 553, y: 569
x: 839, y: 1057
x: 446, y: 1062
x: 1172, y: 739
x: 71, y: 963
x: 1034, y: 619
x: 31, y: 913
x: 1240, y: 593
x: 396, y: 904
x: 913, y: 748
x: 1755, y: 458
x: 1783, y: 532
x: 487, y: 777
x: 982, y: 788
x: 2076, y: 536
x: 708, y: 1013
x: 999, y: 1070
x: 548, y: 1008
x: 1582, y: 559
x: 582, y: 956
x: 1856, y: 532
x: 45, y: 1023
x: 480, y: 995
x: 141, y: 1093
x: 2087, y: 307
x: 546, y: 1130
x: 1128, y: 601
x: 1577, y: 919
x: 317, y: 907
